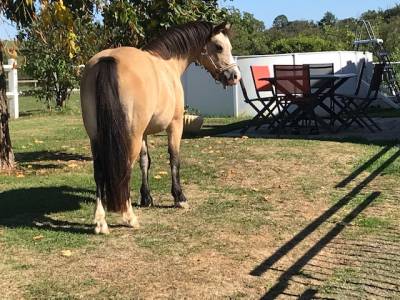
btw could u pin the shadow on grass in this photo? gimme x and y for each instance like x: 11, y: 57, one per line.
x: 30, y: 208
x: 210, y: 130
x: 32, y: 112
x: 27, y: 157
x: 363, y: 167
x: 40, y: 166
x: 228, y: 131
x: 284, y: 279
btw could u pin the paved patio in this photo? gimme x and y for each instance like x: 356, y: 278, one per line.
x: 390, y: 132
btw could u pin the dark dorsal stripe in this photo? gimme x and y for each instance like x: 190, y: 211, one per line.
x: 180, y: 40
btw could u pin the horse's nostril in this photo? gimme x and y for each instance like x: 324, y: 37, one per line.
x: 233, y: 76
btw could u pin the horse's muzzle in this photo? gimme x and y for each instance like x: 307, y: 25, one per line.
x: 231, y: 76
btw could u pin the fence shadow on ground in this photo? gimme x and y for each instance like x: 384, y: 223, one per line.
x: 283, y: 281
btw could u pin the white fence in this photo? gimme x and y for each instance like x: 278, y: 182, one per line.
x: 12, y: 92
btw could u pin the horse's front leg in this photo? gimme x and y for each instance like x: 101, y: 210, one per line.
x: 145, y: 162
x: 174, y: 139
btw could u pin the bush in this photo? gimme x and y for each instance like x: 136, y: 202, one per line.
x: 300, y: 44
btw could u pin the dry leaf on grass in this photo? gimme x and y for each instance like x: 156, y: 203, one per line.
x: 66, y: 253
x: 72, y: 165
x: 38, y: 142
x: 38, y: 237
x: 157, y: 177
x: 20, y: 175
x: 163, y: 173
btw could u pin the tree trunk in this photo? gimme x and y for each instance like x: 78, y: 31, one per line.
x: 6, y: 153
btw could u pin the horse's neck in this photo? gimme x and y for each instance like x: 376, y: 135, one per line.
x: 179, y: 64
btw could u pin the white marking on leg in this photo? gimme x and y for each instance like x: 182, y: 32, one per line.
x: 129, y: 217
x: 183, y: 205
x: 100, y: 218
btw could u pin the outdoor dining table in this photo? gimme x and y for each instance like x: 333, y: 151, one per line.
x: 339, y: 80
x: 331, y: 82
x: 327, y: 90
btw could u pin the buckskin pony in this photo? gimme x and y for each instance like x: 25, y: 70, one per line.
x: 129, y: 93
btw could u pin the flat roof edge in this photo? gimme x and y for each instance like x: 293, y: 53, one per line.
x: 300, y: 53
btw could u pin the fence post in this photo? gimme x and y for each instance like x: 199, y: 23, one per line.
x: 13, y: 88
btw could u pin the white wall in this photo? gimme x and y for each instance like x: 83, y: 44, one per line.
x: 202, y: 93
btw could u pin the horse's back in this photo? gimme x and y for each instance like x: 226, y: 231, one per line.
x: 144, y: 84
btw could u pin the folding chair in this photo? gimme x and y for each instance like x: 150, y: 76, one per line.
x: 356, y: 91
x: 319, y: 69
x: 359, y: 81
x: 316, y: 84
x: 355, y: 106
x: 293, y: 91
x: 265, y: 112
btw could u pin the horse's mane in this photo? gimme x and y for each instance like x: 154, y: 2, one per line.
x: 180, y: 40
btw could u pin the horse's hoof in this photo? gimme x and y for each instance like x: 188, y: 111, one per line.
x: 133, y: 223
x: 182, y: 204
x: 131, y: 220
x: 146, y: 201
x: 102, y: 229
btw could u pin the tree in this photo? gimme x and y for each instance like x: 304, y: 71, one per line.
x: 51, y: 43
x: 248, y: 33
x: 329, y: 19
x: 135, y: 22
x: 280, y: 21
x: 6, y: 152
x: 20, y: 11
x: 300, y: 44
x: 390, y: 33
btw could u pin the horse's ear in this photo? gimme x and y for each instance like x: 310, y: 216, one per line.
x: 224, y: 27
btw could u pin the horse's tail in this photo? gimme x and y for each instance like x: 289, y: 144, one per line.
x: 113, y: 143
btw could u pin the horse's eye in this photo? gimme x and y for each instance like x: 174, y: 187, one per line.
x: 219, y: 48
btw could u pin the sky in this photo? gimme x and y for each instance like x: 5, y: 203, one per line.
x: 266, y: 10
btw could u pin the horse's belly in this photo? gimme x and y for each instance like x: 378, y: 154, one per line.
x: 158, y: 124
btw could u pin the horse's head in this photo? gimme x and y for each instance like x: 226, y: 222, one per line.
x: 216, y: 56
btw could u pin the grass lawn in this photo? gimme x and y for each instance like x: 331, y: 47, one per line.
x: 269, y: 217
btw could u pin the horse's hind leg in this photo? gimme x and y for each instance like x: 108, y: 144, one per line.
x: 174, y: 139
x: 99, y: 212
x: 128, y: 216
x: 145, y: 162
